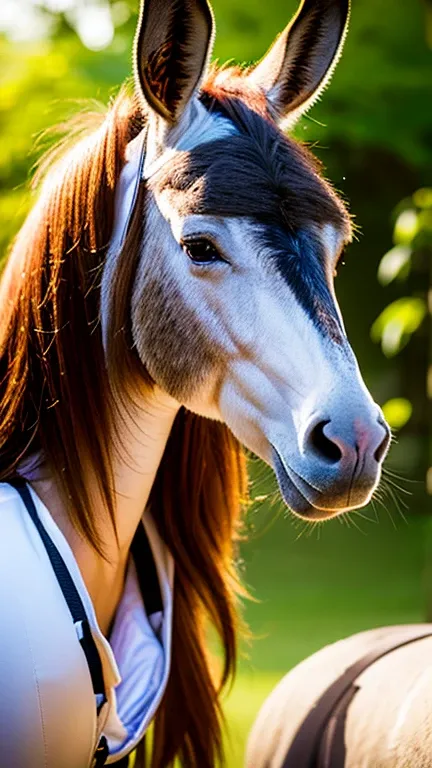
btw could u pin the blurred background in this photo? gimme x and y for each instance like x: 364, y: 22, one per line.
x: 373, y: 131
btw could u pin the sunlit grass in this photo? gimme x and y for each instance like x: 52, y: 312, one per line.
x: 241, y: 708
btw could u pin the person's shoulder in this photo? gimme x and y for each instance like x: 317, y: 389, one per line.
x: 9, y: 496
x: 12, y: 517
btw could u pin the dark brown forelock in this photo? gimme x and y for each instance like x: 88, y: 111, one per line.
x: 259, y: 173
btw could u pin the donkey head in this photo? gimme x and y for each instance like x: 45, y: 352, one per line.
x: 233, y: 308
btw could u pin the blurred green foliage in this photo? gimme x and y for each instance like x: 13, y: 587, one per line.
x: 413, y: 249
x: 410, y: 262
x: 397, y: 411
x: 398, y: 322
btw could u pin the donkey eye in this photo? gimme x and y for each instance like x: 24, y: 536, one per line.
x: 201, y: 251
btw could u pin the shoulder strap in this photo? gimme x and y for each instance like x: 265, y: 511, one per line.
x: 149, y: 585
x: 70, y: 593
x: 146, y: 571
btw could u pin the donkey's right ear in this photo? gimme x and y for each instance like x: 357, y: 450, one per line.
x: 302, y: 59
x: 172, y: 47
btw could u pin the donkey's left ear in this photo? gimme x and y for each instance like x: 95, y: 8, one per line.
x: 301, y: 61
x: 172, y: 47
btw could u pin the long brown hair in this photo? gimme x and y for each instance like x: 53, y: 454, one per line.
x: 57, y: 395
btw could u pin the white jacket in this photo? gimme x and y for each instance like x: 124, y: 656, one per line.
x: 47, y: 706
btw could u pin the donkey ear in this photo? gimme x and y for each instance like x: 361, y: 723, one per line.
x: 302, y: 59
x: 172, y: 46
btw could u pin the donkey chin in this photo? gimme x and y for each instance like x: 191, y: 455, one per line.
x: 325, y: 492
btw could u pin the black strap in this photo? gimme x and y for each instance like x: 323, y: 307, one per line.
x: 70, y: 593
x: 101, y: 753
x: 304, y: 751
x: 150, y: 589
x: 147, y: 574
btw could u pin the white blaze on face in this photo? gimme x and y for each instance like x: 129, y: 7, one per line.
x: 197, y: 126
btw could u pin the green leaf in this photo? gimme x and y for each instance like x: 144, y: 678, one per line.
x: 406, y: 227
x: 397, y: 412
x: 425, y: 221
x: 396, y: 324
x: 423, y: 197
x: 395, y: 264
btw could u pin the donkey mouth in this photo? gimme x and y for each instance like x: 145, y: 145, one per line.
x: 297, y: 493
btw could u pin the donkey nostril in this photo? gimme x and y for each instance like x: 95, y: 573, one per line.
x: 324, y: 447
x: 382, y: 448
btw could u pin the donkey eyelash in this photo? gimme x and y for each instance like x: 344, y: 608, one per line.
x: 202, y: 250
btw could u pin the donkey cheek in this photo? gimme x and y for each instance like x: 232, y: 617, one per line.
x: 171, y: 344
